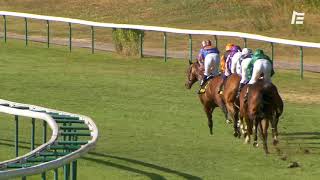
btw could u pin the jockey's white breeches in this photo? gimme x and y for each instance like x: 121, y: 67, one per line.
x: 242, y: 70
x: 211, y: 64
x: 234, y: 60
x: 259, y: 67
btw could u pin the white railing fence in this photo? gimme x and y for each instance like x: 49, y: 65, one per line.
x: 164, y: 30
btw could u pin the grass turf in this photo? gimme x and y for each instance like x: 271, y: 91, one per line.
x: 151, y: 127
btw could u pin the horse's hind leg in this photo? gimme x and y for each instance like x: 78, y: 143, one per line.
x: 236, y: 129
x: 274, y: 127
x: 225, y: 111
x: 209, y: 111
x: 255, y: 138
x: 264, y: 124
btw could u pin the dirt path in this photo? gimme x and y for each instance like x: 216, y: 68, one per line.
x: 86, y: 43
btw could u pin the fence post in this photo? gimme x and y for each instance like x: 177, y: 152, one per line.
x: 70, y: 37
x: 190, y: 48
x: 43, y: 175
x: 272, y: 51
x: 74, y: 170
x: 141, y: 45
x: 301, y: 62
x: 245, y: 42
x: 16, y: 118
x: 56, y: 174
x: 66, y: 171
x: 5, y: 28
x: 216, y: 40
x: 44, y: 132
x: 48, y: 34
x: 165, y: 46
x: 26, y: 30
x: 32, y: 134
x: 92, y: 39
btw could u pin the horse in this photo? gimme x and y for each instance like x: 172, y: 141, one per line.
x: 230, y: 96
x: 260, y: 103
x: 211, y: 98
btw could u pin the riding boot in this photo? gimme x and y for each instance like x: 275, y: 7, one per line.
x: 202, y: 83
x: 221, y: 87
x: 239, y: 90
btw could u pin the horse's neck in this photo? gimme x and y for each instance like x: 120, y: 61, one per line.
x: 199, y: 72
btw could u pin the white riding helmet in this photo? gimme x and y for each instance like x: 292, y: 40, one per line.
x: 246, y: 51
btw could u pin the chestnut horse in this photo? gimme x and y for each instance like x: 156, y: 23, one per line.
x: 260, y: 103
x: 211, y: 98
x: 229, y: 94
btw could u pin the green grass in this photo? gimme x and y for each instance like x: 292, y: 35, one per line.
x: 150, y: 126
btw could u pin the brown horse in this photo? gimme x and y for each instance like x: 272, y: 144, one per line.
x: 260, y: 103
x: 229, y: 94
x: 211, y: 98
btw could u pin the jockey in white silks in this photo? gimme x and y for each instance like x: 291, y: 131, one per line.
x: 242, y: 66
x: 260, y: 64
x: 211, y: 58
x: 234, y: 61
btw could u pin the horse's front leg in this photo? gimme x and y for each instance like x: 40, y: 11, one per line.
x: 208, y: 110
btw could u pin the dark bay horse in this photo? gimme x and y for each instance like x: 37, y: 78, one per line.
x: 229, y: 95
x: 211, y: 98
x: 260, y: 103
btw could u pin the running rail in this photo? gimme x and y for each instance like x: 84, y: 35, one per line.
x: 164, y: 29
x: 26, y: 164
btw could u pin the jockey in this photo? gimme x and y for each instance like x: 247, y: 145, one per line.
x: 224, y: 57
x: 242, y: 65
x: 234, y: 50
x: 211, y: 63
x: 260, y: 64
x: 234, y: 61
x: 200, y: 55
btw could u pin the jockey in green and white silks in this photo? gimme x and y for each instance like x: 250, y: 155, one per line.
x: 260, y: 64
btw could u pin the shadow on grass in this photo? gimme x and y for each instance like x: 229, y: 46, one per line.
x: 303, y: 139
x: 20, y: 142
x: 12, y: 145
x: 150, y: 175
x: 301, y: 135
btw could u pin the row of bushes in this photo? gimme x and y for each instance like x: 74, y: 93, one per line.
x: 127, y: 41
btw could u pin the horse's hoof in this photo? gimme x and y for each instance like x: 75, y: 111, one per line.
x: 275, y: 142
x: 255, y: 144
x: 228, y: 121
x: 235, y: 134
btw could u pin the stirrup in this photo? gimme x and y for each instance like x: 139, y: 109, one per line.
x: 201, y: 91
